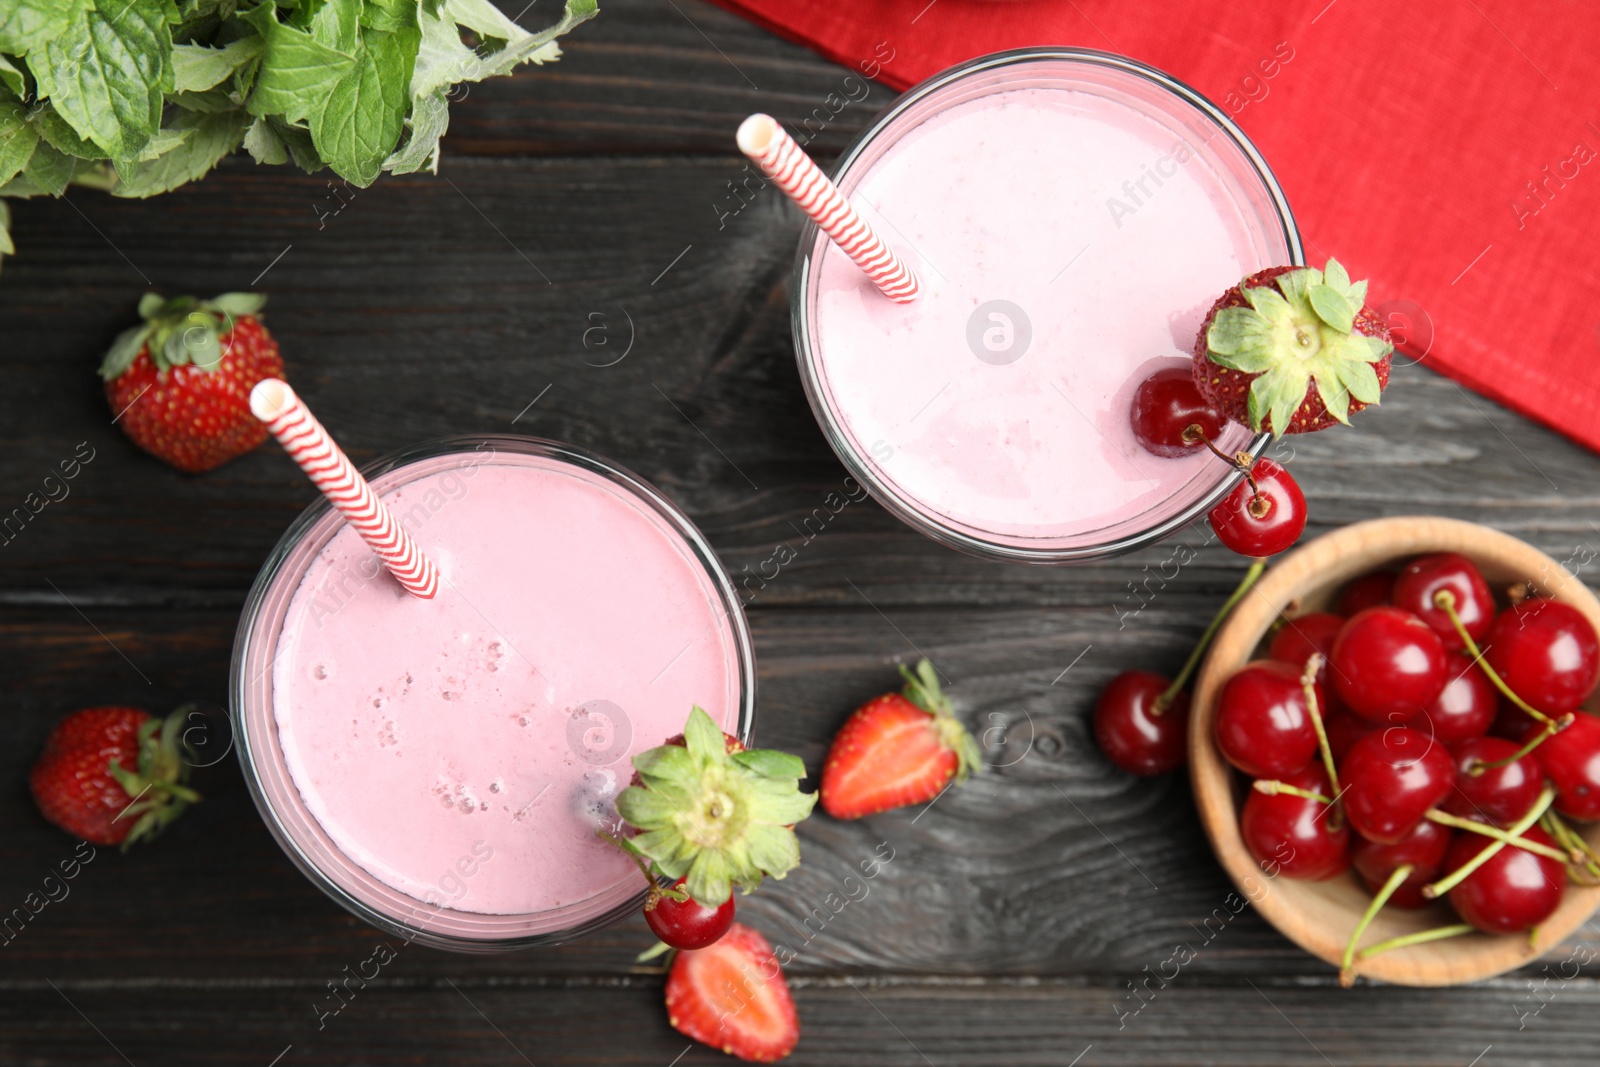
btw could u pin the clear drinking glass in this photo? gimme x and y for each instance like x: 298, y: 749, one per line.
x: 1239, y: 188
x: 261, y: 752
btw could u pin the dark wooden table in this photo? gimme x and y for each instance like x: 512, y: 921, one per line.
x: 1015, y: 917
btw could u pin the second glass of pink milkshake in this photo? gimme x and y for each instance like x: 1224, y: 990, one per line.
x: 1071, y: 216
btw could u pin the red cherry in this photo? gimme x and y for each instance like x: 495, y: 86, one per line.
x: 1390, y: 779
x: 687, y: 924
x: 1130, y: 732
x: 1547, y: 652
x: 1164, y: 406
x: 1263, y: 521
x: 1571, y: 760
x: 1514, y: 890
x: 1465, y: 707
x: 1387, y: 664
x: 1263, y: 725
x: 1291, y: 835
x: 1344, y: 728
x: 1298, y: 638
x: 1420, y: 579
x: 1424, y: 848
x: 1368, y: 591
x: 1513, y: 723
x: 1500, y: 795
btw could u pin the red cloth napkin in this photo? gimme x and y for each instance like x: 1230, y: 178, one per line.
x: 1449, y: 150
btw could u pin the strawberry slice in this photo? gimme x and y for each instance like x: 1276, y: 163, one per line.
x: 897, y: 749
x: 732, y: 996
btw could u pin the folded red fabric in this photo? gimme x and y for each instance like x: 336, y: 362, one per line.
x: 1445, y: 149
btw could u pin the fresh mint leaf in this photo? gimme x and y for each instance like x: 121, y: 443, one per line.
x: 366, y: 110
x: 48, y: 169
x: 18, y: 137
x: 212, y: 100
x: 297, y: 139
x: 207, y: 138
x: 12, y: 78
x: 389, y: 14
x: 6, y: 247
x: 430, y: 116
x: 53, y: 128
x: 263, y: 144
x: 22, y: 186
x: 106, y: 71
x: 196, y: 68
x: 27, y: 24
x: 336, y: 24
x: 298, y: 73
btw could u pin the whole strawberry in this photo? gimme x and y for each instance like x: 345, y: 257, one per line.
x: 712, y: 813
x: 112, y: 775
x: 1292, y: 349
x: 179, y: 383
x: 897, y: 749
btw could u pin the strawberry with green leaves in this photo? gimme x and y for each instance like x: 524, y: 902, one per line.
x: 179, y: 383
x: 714, y: 814
x: 1292, y: 349
x: 113, y: 775
x: 897, y: 749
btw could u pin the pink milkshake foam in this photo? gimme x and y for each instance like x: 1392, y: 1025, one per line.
x: 464, y: 749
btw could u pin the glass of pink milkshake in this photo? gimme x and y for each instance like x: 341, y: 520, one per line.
x: 1071, y: 216
x: 440, y: 767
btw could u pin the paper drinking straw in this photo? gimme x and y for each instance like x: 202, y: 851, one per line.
x: 309, y: 445
x: 786, y: 163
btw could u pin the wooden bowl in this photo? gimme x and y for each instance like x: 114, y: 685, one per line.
x: 1319, y: 916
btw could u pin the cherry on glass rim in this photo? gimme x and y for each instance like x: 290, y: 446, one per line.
x: 1261, y: 519
x: 687, y: 924
x: 1165, y: 407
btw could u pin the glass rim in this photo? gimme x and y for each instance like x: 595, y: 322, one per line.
x: 306, y: 522
x: 891, y: 499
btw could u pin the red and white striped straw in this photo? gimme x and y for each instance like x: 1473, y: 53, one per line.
x: 309, y: 445
x: 786, y: 163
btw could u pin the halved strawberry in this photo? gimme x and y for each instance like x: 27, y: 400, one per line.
x: 897, y: 749
x: 732, y: 996
x: 1292, y: 349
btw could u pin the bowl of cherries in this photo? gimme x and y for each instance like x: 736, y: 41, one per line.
x: 1394, y: 750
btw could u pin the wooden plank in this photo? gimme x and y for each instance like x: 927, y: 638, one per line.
x: 466, y: 1022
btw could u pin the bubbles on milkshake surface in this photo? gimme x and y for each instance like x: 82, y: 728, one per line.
x: 599, y: 732
x: 320, y: 672
x: 593, y: 799
x: 387, y: 736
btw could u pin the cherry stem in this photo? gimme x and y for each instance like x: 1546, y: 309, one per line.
x: 1583, y: 855
x: 1445, y: 601
x: 1272, y: 787
x: 1421, y: 937
x: 1240, y: 461
x: 1477, y: 767
x: 1444, y: 818
x: 1308, y: 682
x: 1347, y: 965
x: 1457, y: 876
x: 1168, y: 695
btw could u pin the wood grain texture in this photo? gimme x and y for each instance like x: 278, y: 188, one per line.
x: 1014, y: 913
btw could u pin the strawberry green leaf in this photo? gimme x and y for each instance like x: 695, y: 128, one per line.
x: 196, y: 67
x: 150, y: 305
x: 1334, y: 274
x: 1335, y: 397
x: 710, y: 877
x: 1357, y: 293
x: 771, y: 764
x: 1293, y: 286
x: 1361, y: 380
x: 1241, y: 340
x: 772, y: 848
x: 704, y: 740
x: 208, y: 138
x: 1332, y: 307
x: 106, y: 71
x: 1270, y: 304
x: 664, y: 761
x: 646, y: 809
x: 125, y: 349
x: 235, y: 305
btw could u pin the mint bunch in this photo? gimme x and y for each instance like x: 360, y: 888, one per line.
x: 137, y: 97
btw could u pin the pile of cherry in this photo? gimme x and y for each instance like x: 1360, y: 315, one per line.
x: 1421, y: 733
